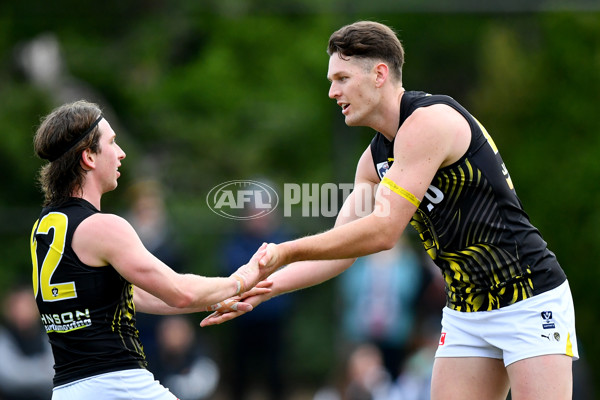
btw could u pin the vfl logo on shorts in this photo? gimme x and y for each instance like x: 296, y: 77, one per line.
x: 548, y: 322
x: 442, y: 339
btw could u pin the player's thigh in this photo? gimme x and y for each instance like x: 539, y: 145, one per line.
x: 548, y: 377
x: 469, y: 378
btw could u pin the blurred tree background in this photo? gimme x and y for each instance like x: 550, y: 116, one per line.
x: 205, y: 92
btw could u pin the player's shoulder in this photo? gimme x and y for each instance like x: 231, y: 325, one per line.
x: 101, y: 224
x: 437, y: 119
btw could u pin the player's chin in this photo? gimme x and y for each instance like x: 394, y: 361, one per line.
x: 351, y: 121
x: 110, y: 186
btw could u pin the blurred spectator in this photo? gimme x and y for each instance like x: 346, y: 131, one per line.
x: 364, y: 377
x: 368, y: 378
x: 414, y: 380
x: 180, y: 362
x: 261, y: 364
x: 25, y: 355
x: 380, y: 294
x: 148, y: 216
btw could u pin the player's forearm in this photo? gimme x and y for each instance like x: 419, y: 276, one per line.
x: 187, y: 294
x: 201, y: 292
x: 358, y: 238
x: 304, y: 274
x: 148, y: 303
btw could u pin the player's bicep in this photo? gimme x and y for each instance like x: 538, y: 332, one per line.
x: 113, y: 241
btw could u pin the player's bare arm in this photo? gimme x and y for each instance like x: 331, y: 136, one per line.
x: 431, y: 138
x: 105, y: 239
x: 304, y: 274
x: 147, y: 303
x: 435, y: 137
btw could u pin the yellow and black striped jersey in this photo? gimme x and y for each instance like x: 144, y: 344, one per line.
x: 473, y: 225
x: 88, y: 312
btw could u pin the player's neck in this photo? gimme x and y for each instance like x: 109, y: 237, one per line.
x: 93, y: 196
x: 390, y: 115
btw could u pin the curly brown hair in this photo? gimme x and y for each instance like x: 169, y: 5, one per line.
x: 369, y: 40
x: 61, y: 138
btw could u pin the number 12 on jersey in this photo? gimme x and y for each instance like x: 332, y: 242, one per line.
x: 42, y: 276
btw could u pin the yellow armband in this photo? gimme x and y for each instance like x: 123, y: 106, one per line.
x: 390, y: 184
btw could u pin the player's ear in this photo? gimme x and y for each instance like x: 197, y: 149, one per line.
x: 381, y: 73
x: 88, y: 159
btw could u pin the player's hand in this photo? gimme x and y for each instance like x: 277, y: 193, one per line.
x: 248, y: 275
x: 253, y: 297
x: 269, y: 260
x: 262, y: 287
x: 230, y: 305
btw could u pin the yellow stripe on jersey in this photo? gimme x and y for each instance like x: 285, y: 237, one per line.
x: 390, y: 184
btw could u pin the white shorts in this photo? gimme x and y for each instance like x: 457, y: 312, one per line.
x: 130, y: 384
x: 540, y: 325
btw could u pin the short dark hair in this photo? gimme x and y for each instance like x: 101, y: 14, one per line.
x: 64, y: 126
x: 368, y: 39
